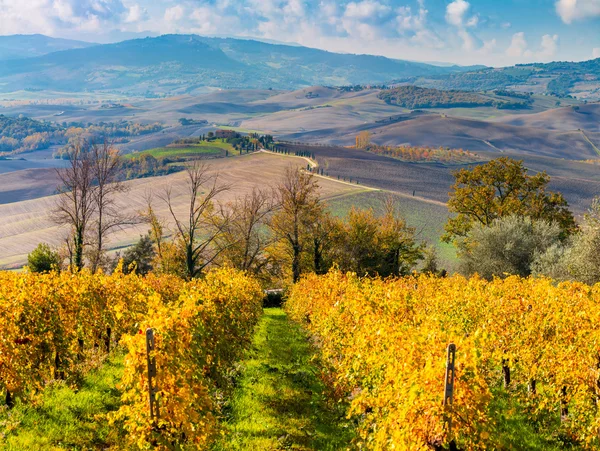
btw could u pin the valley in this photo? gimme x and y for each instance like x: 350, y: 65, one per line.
x: 551, y: 132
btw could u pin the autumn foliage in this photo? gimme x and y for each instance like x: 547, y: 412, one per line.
x: 53, y: 323
x: 531, y: 343
x: 420, y: 154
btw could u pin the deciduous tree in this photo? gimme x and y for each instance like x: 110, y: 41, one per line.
x: 243, y: 240
x: 198, y: 230
x: 76, y: 203
x: 500, y: 188
x: 298, y: 207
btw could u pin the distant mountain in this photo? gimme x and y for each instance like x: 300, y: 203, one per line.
x: 182, y: 63
x: 29, y: 46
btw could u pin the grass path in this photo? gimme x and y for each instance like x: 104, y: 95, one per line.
x: 64, y: 417
x: 279, y: 401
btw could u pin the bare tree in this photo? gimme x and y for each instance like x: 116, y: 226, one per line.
x: 199, y: 229
x: 76, y: 206
x: 298, y: 208
x: 157, y: 225
x: 243, y: 242
x: 106, y: 169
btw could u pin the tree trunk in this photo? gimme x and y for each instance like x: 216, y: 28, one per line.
x: 9, y: 400
x: 533, y: 386
x: 318, y: 257
x: 296, y: 263
x: 506, y: 373
x: 78, y: 252
x: 564, y: 406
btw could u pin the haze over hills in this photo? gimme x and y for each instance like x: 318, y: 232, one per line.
x: 180, y: 63
x: 176, y: 64
x: 29, y: 46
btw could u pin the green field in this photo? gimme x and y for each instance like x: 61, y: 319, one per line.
x: 205, y: 148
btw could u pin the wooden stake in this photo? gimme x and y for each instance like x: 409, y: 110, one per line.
x: 151, y: 361
x: 449, y: 385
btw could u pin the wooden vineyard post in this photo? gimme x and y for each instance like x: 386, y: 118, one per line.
x: 152, y: 389
x: 449, y: 386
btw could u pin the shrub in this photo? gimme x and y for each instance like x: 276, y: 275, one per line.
x: 508, y: 246
x: 43, y: 259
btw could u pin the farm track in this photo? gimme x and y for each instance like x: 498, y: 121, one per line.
x: 280, y: 401
x: 364, y: 187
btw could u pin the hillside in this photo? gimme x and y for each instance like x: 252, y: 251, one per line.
x: 179, y: 63
x: 434, y: 130
x: 562, y: 79
x: 414, y: 97
x: 28, y: 46
x: 586, y: 117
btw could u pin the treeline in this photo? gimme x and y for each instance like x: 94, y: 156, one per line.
x: 275, y: 233
x: 22, y: 134
x: 425, y: 154
x: 249, y: 142
x: 416, y: 154
x: 516, y: 95
x: 146, y: 165
x: 284, y: 150
x: 507, y: 222
x: 359, y: 88
x: 561, y: 85
x: 414, y: 97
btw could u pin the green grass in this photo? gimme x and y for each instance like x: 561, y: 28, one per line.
x: 203, y: 148
x: 517, y: 428
x: 428, y: 219
x: 279, y: 402
x: 62, y: 417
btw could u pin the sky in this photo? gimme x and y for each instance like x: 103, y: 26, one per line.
x: 490, y: 32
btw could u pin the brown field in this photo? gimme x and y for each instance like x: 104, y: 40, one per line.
x: 25, y: 224
x: 27, y: 184
x: 431, y: 182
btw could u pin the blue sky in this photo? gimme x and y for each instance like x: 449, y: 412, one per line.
x: 491, y: 32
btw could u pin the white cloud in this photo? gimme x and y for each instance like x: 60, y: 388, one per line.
x: 548, y: 47
x: 473, y: 21
x: 58, y: 16
x: 468, y: 40
x: 506, y: 25
x: 456, y: 11
x: 596, y: 53
x: 488, y: 47
x: 366, y: 10
x: 174, y: 14
x: 135, y: 14
x: 367, y: 19
x: 519, y: 48
x: 518, y: 45
x: 573, y: 10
